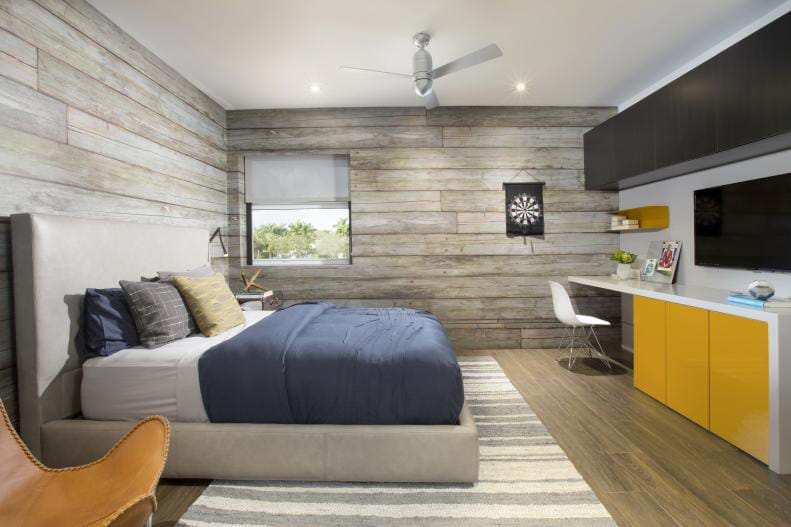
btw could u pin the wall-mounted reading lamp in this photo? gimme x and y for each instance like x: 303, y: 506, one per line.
x: 222, y: 243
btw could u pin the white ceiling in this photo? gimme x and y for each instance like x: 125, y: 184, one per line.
x: 267, y: 53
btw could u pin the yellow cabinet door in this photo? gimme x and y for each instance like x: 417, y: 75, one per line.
x: 649, y: 346
x: 739, y: 363
x: 688, y: 362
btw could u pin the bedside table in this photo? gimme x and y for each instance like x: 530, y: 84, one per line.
x: 258, y: 303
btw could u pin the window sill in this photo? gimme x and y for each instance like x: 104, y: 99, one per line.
x: 300, y: 263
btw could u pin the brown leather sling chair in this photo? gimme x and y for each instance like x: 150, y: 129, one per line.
x: 116, y: 490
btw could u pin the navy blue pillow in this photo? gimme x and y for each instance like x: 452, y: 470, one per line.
x: 109, y: 326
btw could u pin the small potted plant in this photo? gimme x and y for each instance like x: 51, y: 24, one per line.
x: 625, y: 260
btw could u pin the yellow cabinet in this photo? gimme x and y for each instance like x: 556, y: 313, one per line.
x: 739, y: 365
x: 688, y: 362
x: 649, y: 346
x: 710, y: 367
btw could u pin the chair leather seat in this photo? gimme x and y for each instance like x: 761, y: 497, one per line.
x: 117, y: 489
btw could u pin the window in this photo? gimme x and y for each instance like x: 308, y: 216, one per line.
x: 298, y: 209
x: 315, y: 233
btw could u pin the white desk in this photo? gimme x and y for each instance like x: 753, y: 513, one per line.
x: 689, y: 295
x: 779, y: 325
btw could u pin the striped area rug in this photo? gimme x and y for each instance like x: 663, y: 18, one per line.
x: 525, y: 480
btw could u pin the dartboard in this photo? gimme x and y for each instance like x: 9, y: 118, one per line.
x: 524, y: 210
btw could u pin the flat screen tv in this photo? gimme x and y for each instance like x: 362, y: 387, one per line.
x: 745, y: 225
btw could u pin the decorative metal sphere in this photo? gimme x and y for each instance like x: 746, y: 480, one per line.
x: 761, y: 289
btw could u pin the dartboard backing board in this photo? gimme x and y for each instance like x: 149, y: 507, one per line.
x: 524, y: 209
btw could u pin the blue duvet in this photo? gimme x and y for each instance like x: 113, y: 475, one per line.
x: 316, y: 363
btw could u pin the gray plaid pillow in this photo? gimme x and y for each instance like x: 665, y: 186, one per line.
x: 160, y: 314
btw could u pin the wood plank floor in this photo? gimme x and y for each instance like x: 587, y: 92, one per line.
x: 648, y: 465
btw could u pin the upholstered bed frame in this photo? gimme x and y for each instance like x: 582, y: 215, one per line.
x: 56, y: 258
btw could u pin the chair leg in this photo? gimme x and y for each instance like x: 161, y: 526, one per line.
x: 600, y: 350
x: 572, y: 356
x: 564, y: 336
x: 588, y: 345
x: 150, y: 521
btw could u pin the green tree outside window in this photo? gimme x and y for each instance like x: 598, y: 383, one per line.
x: 301, y: 240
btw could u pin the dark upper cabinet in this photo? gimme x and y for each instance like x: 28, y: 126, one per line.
x: 736, y: 99
x: 755, y: 91
x: 685, y: 116
x: 598, y: 157
x: 633, y: 139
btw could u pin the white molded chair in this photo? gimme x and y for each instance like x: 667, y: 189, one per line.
x: 580, y: 326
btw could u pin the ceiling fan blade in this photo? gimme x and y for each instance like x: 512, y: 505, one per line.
x: 471, y: 59
x: 431, y: 100
x: 365, y: 70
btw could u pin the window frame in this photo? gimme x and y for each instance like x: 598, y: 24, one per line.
x: 285, y: 262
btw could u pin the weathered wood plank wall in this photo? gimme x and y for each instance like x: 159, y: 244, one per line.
x: 93, y: 124
x: 428, y: 228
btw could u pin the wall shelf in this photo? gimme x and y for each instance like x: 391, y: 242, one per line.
x: 651, y: 218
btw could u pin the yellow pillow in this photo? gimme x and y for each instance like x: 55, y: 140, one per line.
x: 211, y: 302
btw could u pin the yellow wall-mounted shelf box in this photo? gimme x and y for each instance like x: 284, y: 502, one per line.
x: 651, y: 217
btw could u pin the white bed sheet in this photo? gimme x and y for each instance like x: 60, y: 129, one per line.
x: 138, y: 382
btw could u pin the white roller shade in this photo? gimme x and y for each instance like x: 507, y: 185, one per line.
x: 296, y: 179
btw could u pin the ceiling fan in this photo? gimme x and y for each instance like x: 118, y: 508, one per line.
x: 423, y: 74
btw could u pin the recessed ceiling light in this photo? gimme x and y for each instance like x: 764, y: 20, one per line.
x: 520, y: 86
x: 315, y: 88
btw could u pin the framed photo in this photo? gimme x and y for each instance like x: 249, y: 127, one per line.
x: 650, y: 266
x: 668, y: 258
x: 661, y: 262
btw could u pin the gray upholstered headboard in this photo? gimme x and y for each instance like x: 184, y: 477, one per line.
x: 55, y: 259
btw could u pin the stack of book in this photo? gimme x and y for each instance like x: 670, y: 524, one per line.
x: 750, y: 301
x: 622, y: 223
x: 255, y: 300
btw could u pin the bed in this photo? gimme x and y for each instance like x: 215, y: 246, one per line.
x: 137, y: 382
x: 56, y: 258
